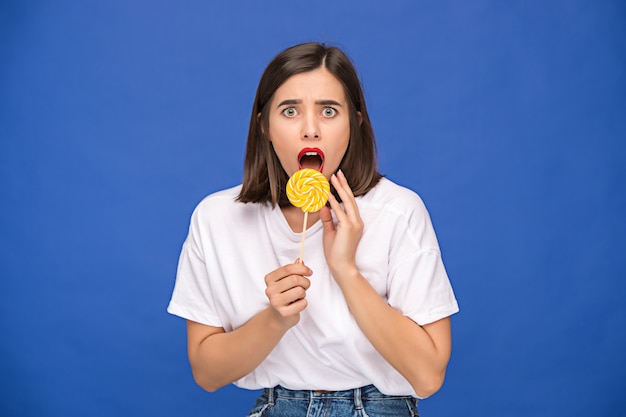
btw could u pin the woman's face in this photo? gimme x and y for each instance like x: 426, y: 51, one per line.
x: 309, y: 122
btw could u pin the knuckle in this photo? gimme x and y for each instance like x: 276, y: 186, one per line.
x: 293, y: 280
x: 297, y: 293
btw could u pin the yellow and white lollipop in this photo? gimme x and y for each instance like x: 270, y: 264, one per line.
x: 307, y: 189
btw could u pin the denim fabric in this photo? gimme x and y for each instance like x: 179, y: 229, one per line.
x: 360, y: 402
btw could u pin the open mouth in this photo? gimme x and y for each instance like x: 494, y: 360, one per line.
x: 311, y: 158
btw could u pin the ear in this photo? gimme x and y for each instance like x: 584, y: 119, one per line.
x: 360, y: 117
x: 258, y: 120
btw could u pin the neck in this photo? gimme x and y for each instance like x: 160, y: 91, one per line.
x: 295, y: 218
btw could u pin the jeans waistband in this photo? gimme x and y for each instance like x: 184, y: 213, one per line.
x: 366, y: 393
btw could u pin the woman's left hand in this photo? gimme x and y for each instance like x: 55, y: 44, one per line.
x: 340, y: 242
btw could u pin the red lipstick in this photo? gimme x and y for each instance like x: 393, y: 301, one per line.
x: 311, y: 158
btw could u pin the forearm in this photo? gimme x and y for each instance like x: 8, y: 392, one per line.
x: 225, y: 357
x: 219, y: 358
x: 408, y: 347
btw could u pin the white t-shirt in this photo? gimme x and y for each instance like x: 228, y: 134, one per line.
x: 231, y: 246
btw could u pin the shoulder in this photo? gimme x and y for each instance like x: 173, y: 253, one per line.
x: 394, y: 197
x: 220, y: 214
x: 398, y: 209
x: 222, y: 205
x: 219, y: 199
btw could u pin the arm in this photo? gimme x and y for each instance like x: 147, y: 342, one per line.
x: 219, y: 358
x: 419, y: 353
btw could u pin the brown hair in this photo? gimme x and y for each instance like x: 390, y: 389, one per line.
x: 264, y: 179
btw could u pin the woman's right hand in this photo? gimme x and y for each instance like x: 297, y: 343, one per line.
x: 219, y: 358
x: 286, y: 291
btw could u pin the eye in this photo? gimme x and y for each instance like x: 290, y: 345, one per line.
x: 329, y: 112
x: 290, y: 112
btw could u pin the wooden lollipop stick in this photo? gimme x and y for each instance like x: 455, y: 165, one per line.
x: 301, y: 259
x: 308, y: 189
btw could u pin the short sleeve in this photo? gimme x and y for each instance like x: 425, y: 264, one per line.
x: 418, y: 284
x: 420, y: 288
x: 192, y: 296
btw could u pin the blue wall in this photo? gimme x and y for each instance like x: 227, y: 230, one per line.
x: 117, y: 117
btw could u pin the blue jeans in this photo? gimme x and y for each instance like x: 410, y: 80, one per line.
x: 359, y: 402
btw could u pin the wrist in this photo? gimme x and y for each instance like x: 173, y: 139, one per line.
x: 278, y: 324
x: 344, y: 275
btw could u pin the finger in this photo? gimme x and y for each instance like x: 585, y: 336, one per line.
x: 299, y: 279
x: 337, y: 209
x: 344, y: 183
x: 293, y: 308
x: 288, y: 306
x: 287, y: 290
x: 286, y: 270
x: 289, y: 296
x: 345, y: 192
x: 327, y: 219
x: 299, y: 268
x: 350, y: 205
x: 291, y: 281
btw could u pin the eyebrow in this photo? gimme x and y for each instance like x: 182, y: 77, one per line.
x: 319, y: 102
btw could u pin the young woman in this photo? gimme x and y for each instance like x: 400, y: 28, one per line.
x: 361, y: 325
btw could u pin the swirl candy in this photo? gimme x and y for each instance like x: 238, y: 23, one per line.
x: 308, y: 189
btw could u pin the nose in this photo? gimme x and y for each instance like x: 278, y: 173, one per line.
x: 310, y: 128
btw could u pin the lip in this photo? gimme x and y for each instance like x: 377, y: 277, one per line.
x: 318, y: 151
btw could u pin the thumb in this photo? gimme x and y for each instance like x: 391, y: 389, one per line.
x: 327, y: 220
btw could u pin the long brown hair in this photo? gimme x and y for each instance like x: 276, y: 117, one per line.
x: 264, y: 179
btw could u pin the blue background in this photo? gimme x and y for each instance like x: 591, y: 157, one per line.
x: 117, y: 117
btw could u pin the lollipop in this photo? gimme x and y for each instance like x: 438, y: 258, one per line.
x: 307, y: 189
